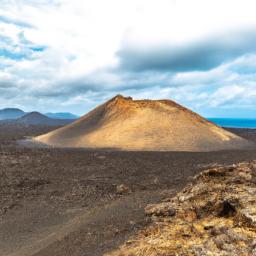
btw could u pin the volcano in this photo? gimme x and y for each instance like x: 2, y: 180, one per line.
x: 36, y: 118
x: 149, y: 125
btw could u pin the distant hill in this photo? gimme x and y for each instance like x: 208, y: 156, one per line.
x: 127, y: 124
x: 36, y: 118
x: 62, y: 115
x: 11, y: 113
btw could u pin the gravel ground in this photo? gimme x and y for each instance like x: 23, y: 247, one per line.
x: 82, y: 202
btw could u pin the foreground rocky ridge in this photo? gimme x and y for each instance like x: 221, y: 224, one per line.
x: 214, y: 215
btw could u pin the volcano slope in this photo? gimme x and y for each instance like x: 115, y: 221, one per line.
x: 151, y: 125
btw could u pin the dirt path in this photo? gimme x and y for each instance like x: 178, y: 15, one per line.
x: 113, y: 222
x: 101, y: 230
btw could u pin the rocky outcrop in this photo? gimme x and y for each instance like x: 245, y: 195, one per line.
x: 214, y: 215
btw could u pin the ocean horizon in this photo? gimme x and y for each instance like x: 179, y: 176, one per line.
x: 235, y: 122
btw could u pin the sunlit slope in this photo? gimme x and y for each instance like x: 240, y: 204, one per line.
x: 127, y: 124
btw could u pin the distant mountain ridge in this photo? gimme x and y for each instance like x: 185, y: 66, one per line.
x: 11, y: 113
x: 15, y: 113
x: 36, y: 118
x: 62, y: 115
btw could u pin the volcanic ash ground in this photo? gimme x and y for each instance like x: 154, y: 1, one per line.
x: 215, y: 215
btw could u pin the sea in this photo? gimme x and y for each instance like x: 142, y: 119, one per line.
x: 234, y: 122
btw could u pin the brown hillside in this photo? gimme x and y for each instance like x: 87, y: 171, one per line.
x: 127, y: 124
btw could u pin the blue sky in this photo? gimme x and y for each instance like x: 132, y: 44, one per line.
x: 64, y: 55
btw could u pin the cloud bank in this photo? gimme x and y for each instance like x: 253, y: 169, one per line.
x: 198, y: 55
x: 72, y: 55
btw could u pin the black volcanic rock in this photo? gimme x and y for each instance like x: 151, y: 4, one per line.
x: 213, y: 215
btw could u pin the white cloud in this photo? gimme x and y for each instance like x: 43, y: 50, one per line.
x: 78, y: 66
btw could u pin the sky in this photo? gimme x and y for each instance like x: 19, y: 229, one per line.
x: 71, y: 55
